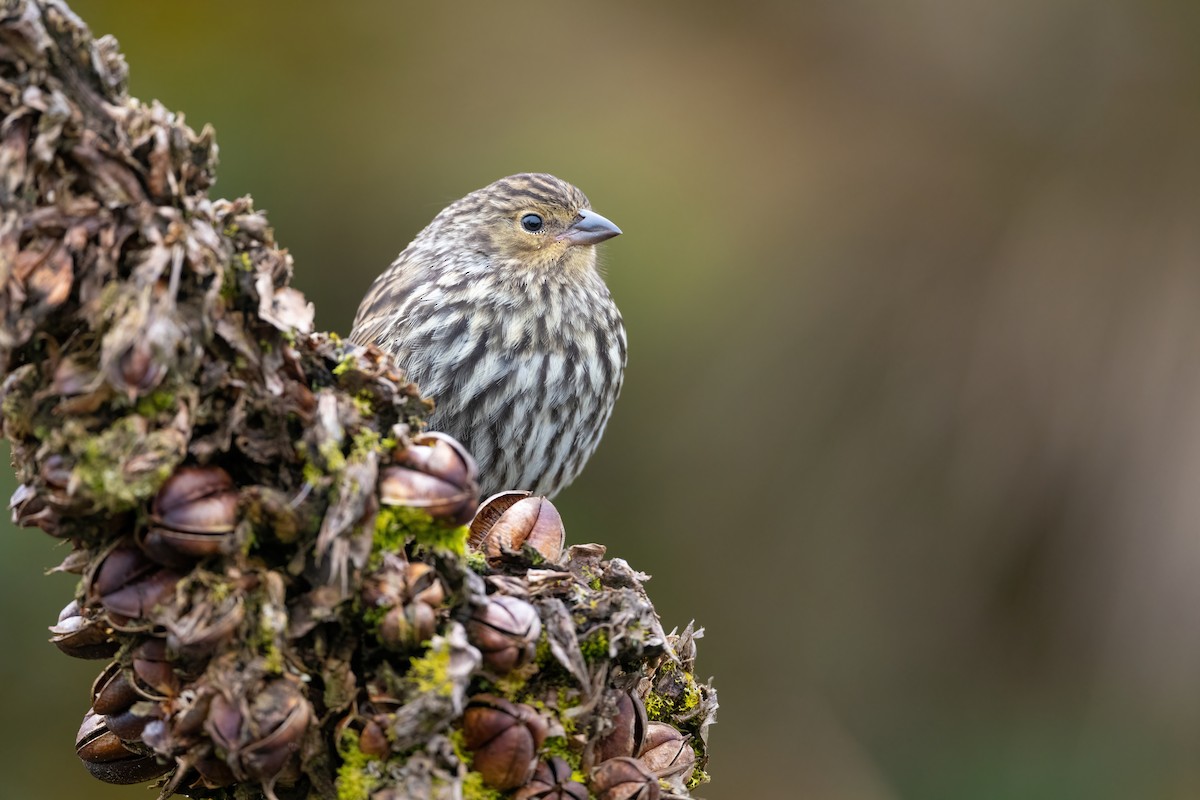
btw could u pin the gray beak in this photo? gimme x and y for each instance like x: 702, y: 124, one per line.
x: 589, y: 228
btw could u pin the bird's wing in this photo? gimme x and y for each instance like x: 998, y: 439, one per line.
x: 378, y: 313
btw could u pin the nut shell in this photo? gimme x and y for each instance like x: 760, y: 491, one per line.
x: 552, y: 781
x: 521, y: 521
x: 624, y: 779
x: 108, y: 759
x: 80, y: 634
x: 436, y: 474
x: 666, y: 751
x: 628, y: 730
x: 506, y: 631
x: 504, y: 738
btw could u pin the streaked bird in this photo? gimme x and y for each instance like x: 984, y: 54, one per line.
x: 498, y: 311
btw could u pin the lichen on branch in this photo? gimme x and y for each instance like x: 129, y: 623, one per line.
x: 287, y: 577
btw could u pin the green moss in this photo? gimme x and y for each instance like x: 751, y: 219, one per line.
x: 156, y: 402
x: 268, y: 648
x: 355, y: 779
x: 592, y: 576
x: 335, y: 459
x: 245, y: 262
x: 365, y: 441
x: 594, y: 646
x: 372, y: 617
x: 515, y: 686
x: 566, y: 700
x: 473, y: 788
x: 561, y: 746
x: 658, y: 707
x: 364, y: 403
x: 102, y: 460
x: 691, y: 696
x: 543, y: 656
x: 681, y: 695
x: 430, y: 674
x: 698, y: 778
x: 477, y: 562
x: 348, y: 362
x: 229, y: 285
x: 396, y: 526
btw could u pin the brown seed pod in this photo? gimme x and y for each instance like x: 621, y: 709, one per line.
x: 506, y: 631
x: 508, y: 521
x: 194, y: 514
x: 623, y: 779
x: 373, y: 740
x: 504, y: 738
x: 411, y: 594
x: 114, y: 695
x: 552, y: 781
x: 436, y: 474
x: 31, y: 509
x: 107, y: 758
x: 112, y: 690
x: 666, y: 751
x: 153, y: 672
x: 136, y: 371
x: 406, y: 627
x: 261, y: 736
x: 490, y: 510
x: 628, y: 731
x: 80, y: 634
x: 129, y: 585
x: 130, y: 723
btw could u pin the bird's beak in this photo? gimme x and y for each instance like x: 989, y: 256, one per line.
x: 589, y: 228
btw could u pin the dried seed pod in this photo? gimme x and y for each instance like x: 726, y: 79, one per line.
x: 552, y: 781
x: 195, y: 513
x: 56, y: 472
x: 506, y: 631
x: 666, y: 751
x: 490, y: 510
x: 112, y: 690
x: 31, y: 509
x: 129, y: 724
x: 504, y: 738
x: 406, y: 627
x: 153, y: 672
x: 261, y: 736
x: 136, y: 371
x: 80, y: 634
x: 628, y: 730
x: 129, y: 585
x: 114, y: 695
x: 373, y: 740
x: 424, y: 585
x: 623, y: 779
x: 108, y: 759
x: 411, y: 593
x: 434, y: 473
x: 532, y: 521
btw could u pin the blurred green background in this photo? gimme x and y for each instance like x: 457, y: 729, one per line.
x: 910, y: 421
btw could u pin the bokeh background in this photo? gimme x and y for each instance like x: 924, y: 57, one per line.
x: 911, y: 417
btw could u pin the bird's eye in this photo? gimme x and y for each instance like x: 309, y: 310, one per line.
x: 532, y: 223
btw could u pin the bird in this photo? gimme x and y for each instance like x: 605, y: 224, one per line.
x: 498, y: 311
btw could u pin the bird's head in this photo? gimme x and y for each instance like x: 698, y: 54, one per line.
x: 534, y: 221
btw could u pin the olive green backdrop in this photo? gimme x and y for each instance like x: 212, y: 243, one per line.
x: 910, y: 422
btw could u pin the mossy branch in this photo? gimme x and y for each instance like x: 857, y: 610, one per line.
x: 271, y: 554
